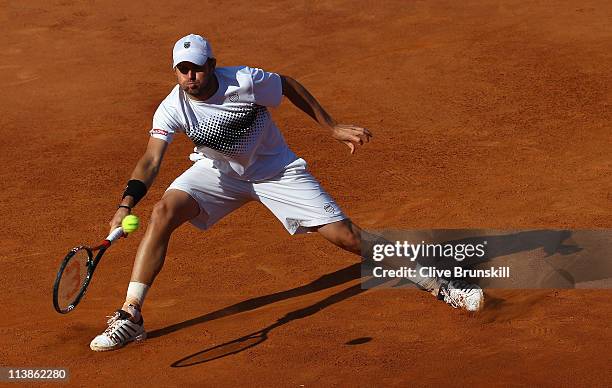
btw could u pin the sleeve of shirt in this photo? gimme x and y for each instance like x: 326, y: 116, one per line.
x: 267, y: 87
x: 165, y: 124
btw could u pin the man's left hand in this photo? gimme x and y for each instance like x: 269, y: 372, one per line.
x: 351, y: 135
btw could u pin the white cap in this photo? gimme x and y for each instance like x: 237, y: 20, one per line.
x: 191, y: 48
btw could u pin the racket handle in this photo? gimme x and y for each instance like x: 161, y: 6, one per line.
x: 115, y: 234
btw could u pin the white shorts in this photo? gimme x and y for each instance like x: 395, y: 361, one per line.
x: 294, y: 196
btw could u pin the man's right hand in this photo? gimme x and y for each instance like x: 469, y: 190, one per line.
x: 120, y: 214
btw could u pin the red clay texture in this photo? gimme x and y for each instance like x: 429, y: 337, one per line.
x: 485, y: 114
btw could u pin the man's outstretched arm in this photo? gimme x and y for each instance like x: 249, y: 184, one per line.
x: 145, y: 171
x: 349, y: 134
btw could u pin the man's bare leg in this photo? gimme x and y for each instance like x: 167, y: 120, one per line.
x: 457, y: 293
x: 348, y: 236
x: 175, y: 208
x: 127, y: 325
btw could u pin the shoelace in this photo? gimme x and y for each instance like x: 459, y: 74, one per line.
x: 450, y: 300
x: 456, y: 302
x: 112, y: 318
x: 113, y: 322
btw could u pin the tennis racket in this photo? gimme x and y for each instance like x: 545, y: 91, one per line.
x: 76, y: 272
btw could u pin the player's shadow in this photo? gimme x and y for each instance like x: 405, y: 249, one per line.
x: 520, y: 246
x: 253, y: 339
x: 551, y: 241
x: 329, y: 280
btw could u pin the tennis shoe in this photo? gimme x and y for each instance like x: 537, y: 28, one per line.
x: 461, y: 294
x: 121, y: 330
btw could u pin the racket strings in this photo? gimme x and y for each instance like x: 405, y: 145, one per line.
x: 73, y: 278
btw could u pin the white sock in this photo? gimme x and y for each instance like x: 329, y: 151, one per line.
x: 136, y: 293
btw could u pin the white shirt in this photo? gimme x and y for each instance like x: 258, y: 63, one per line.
x: 233, y: 128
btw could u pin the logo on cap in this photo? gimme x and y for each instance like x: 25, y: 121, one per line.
x: 187, y: 44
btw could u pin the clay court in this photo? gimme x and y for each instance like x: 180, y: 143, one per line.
x: 489, y: 114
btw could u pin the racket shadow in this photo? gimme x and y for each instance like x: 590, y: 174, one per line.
x: 226, y: 349
x: 253, y: 339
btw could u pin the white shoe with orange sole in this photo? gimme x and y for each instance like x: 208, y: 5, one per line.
x: 121, y: 331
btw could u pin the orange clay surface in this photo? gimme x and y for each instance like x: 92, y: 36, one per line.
x: 491, y: 114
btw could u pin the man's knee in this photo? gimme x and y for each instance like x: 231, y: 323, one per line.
x: 174, y: 209
x: 167, y: 216
x: 162, y: 215
x: 344, y: 234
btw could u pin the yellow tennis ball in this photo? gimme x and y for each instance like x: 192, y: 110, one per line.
x: 130, y: 223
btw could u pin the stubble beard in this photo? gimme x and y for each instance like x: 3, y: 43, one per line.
x: 193, y: 91
x: 201, y: 90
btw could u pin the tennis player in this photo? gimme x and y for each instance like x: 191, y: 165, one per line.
x: 240, y: 155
